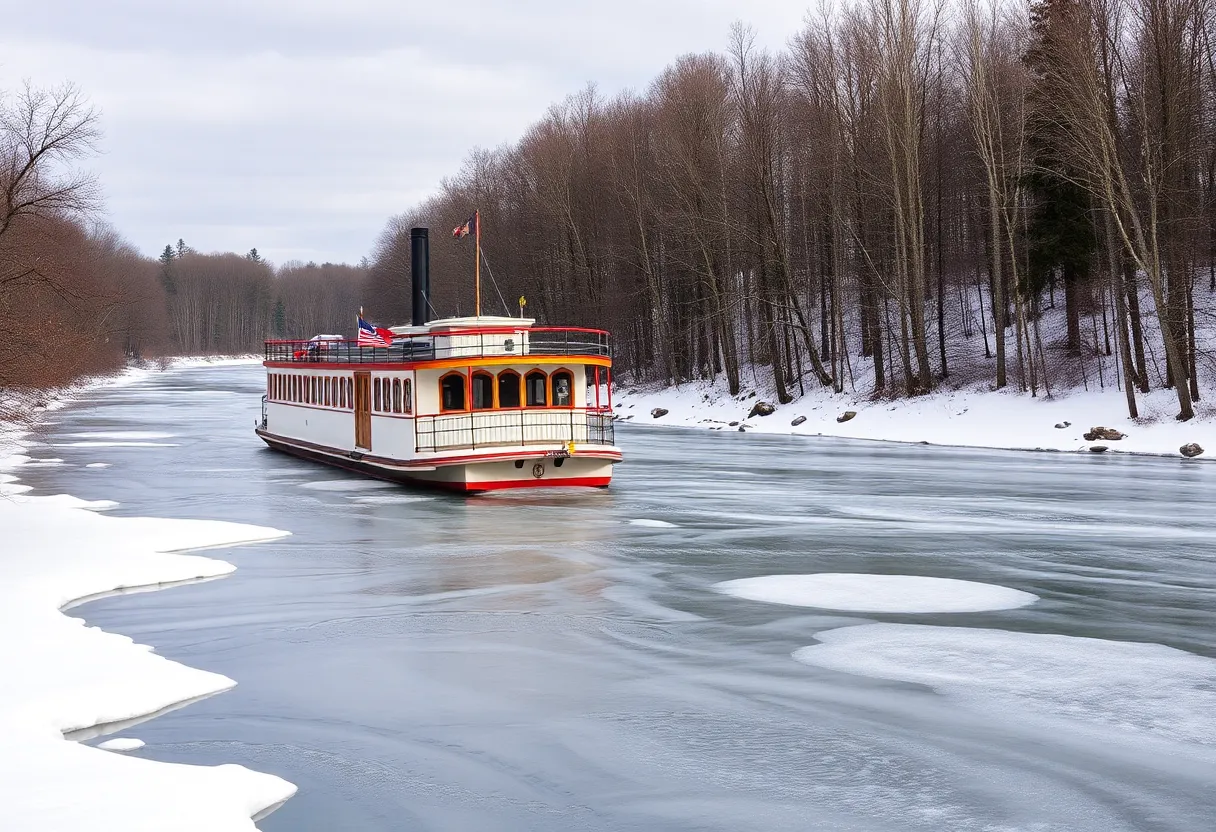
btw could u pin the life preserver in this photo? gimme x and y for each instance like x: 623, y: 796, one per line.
x: 538, y: 470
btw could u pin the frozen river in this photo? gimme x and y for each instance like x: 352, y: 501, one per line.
x: 562, y: 660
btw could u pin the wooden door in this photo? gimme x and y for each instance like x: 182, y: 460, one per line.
x: 363, y: 411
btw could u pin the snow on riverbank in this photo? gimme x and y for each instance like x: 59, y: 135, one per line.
x: 59, y: 675
x: 970, y: 417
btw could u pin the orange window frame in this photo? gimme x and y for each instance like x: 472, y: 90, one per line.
x: 493, y: 389
x: 523, y: 402
x: 464, y: 385
x: 552, y: 396
x: 519, y: 388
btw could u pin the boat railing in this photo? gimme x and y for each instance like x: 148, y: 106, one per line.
x: 498, y: 428
x: 468, y: 343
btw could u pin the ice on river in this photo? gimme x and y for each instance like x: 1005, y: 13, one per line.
x: 59, y: 676
x: 652, y: 524
x: 88, y: 443
x: 877, y: 593
x: 346, y: 485
x: 121, y: 744
x: 1139, y: 687
x: 390, y: 499
x: 122, y: 434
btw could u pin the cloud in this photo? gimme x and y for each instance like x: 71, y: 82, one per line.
x: 299, y: 126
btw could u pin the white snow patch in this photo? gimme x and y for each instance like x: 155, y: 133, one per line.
x: 58, y: 675
x: 121, y: 744
x: 1148, y: 688
x: 974, y: 417
x: 98, y: 465
x: 346, y: 485
x: 653, y: 524
x: 877, y: 593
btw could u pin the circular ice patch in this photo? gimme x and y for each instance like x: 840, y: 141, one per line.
x: 121, y: 744
x: 877, y: 593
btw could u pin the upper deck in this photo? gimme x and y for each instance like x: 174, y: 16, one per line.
x: 464, y: 338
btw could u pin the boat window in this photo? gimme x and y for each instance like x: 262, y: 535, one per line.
x: 409, y: 397
x: 536, y: 385
x: 350, y: 393
x: 342, y: 392
x: 562, y: 383
x: 508, y: 389
x: 451, y: 392
x: 328, y: 388
x: 376, y: 401
x: 297, y: 389
x: 483, y: 391
x: 396, y: 395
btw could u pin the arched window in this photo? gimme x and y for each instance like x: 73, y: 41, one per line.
x: 561, y: 389
x: 328, y: 388
x: 295, y: 389
x: 396, y: 395
x: 508, y: 389
x: 342, y: 393
x: 350, y: 393
x: 408, y: 396
x: 376, y: 400
x: 483, y: 391
x: 537, y: 385
x: 451, y: 392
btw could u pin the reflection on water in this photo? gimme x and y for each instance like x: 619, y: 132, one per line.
x: 556, y: 660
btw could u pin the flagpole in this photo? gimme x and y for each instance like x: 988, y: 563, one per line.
x: 477, y: 263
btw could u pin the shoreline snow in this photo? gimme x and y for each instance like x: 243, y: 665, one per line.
x: 62, y: 677
x: 966, y: 418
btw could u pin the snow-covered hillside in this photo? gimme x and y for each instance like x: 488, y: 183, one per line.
x: 1082, y: 392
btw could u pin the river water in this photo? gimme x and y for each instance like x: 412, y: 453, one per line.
x: 542, y: 661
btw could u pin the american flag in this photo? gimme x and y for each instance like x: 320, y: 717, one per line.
x: 470, y: 227
x: 374, y: 336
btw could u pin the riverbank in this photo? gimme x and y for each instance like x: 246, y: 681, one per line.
x: 979, y: 418
x: 64, y: 677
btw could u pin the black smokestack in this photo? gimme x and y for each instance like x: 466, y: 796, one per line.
x: 420, y: 268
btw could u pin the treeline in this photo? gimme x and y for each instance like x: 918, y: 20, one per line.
x: 77, y: 299
x: 904, y: 194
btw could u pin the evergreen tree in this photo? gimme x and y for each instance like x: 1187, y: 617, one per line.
x: 1060, y: 232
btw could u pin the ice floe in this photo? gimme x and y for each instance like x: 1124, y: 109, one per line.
x: 121, y: 744
x: 98, y: 465
x: 653, y: 524
x: 60, y: 676
x: 854, y: 592
x: 1149, y: 688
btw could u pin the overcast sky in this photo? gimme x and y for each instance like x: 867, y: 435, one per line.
x: 300, y: 126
